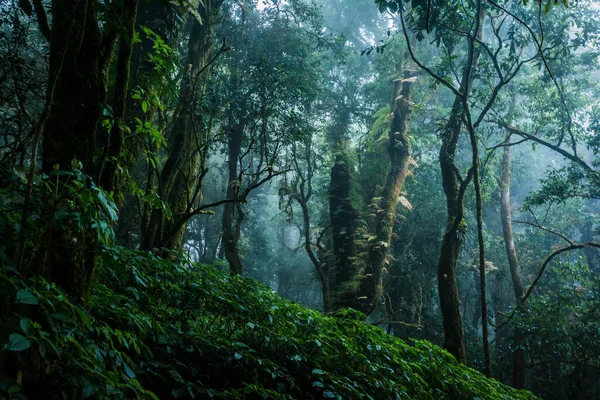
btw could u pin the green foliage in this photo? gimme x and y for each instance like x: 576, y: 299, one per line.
x: 171, y: 329
x: 562, y: 332
x: 78, y: 203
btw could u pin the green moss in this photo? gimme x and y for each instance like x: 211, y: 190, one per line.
x: 169, y: 329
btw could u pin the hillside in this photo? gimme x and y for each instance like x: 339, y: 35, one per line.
x: 171, y: 329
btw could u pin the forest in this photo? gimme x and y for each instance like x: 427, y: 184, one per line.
x: 299, y: 199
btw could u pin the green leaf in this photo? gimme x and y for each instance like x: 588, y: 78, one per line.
x: 144, y: 106
x: 328, y: 395
x: 128, y: 371
x: 25, y: 297
x: 89, y: 388
x: 26, y: 326
x: 317, y: 371
x: 17, y: 342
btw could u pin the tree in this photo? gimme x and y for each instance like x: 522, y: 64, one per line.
x: 81, y: 48
x: 180, y: 179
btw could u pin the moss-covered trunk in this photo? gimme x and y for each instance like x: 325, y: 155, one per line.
x: 370, y: 287
x: 179, y: 176
x: 79, y: 57
x: 230, y: 235
x: 343, y: 218
x: 454, y: 188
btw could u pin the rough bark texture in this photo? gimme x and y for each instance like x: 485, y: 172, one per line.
x: 178, y: 177
x: 451, y: 241
x: 79, y: 57
x: 370, y: 287
x: 109, y: 177
x: 518, y: 377
x: 454, y: 186
x: 230, y: 234
x: 343, y: 218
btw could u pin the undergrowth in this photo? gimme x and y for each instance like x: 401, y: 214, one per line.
x: 158, y: 329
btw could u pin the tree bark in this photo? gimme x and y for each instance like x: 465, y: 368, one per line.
x: 452, y: 239
x: 109, y: 177
x: 79, y: 58
x: 178, y: 177
x: 370, y: 288
x: 153, y: 15
x: 343, y: 218
x: 230, y: 235
x: 454, y: 187
x: 518, y: 377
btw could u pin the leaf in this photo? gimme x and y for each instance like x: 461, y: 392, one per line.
x: 89, y: 388
x: 317, y: 371
x: 109, y: 206
x: 17, y: 342
x: 328, y: 395
x: 404, y: 201
x: 26, y: 326
x: 25, y: 297
x: 128, y: 371
x: 144, y: 106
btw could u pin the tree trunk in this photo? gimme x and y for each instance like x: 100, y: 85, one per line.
x: 152, y: 14
x: 454, y: 187
x: 79, y: 59
x: 452, y: 239
x: 230, y: 235
x: 321, y: 268
x: 109, y: 177
x: 370, y: 289
x: 178, y: 177
x: 518, y: 378
x: 343, y: 218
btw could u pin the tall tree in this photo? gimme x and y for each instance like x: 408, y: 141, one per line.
x: 369, y: 279
x: 180, y: 181
x: 82, y: 41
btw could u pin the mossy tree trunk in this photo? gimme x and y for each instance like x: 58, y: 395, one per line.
x: 230, y: 225
x: 451, y: 241
x: 180, y: 179
x: 454, y: 185
x: 343, y: 218
x: 81, y: 47
x: 370, y: 287
x: 153, y: 14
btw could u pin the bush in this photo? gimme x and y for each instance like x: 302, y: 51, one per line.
x: 171, y: 329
